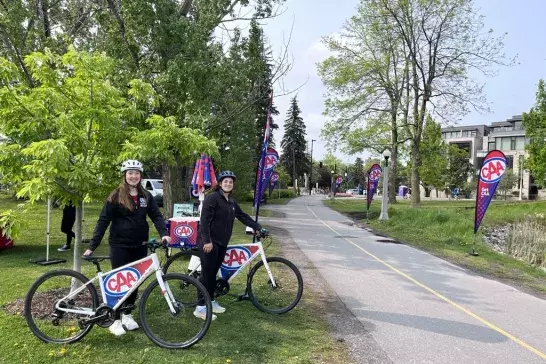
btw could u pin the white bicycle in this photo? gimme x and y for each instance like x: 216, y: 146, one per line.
x: 274, y: 284
x: 62, y: 306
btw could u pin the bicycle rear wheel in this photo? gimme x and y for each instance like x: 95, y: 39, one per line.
x: 287, y: 291
x: 53, y: 325
x: 179, y: 330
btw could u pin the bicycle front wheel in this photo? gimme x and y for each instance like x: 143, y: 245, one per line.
x: 49, y: 297
x: 179, y: 329
x: 181, y: 262
x: 278, y: 298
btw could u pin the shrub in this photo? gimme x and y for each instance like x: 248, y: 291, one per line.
x: 527, y: 240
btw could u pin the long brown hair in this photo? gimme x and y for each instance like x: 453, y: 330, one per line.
x: 122, y: 196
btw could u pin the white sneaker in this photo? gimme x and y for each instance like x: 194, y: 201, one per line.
x: 129, y: 322
x: 116, y: 328
x: 201, y: 312
x: 216, y: 308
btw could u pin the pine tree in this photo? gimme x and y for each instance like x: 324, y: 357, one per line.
x: 358, y: 173
x: 293, y: 144
x: 261, y: 78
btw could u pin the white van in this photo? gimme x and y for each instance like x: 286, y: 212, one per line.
x: 155, y: 186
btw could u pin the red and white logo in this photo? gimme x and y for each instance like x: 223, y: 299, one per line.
x: 236, y: 256
x: 375, y: 174
x: 183, y: 231
x: 492, y: 170
x: 270, y: 161
x: 120, y: 282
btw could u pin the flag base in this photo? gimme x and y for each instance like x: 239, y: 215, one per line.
x: 50, y: 261
x: 474, y: 253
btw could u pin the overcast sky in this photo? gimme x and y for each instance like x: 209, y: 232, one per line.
x: 510, y: 93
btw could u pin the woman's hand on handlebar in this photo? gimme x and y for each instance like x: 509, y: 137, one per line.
x: 166, y: 239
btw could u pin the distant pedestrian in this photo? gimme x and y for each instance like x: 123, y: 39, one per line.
x: 67, y: 223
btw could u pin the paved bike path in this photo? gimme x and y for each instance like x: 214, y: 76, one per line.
x: 418, y: 308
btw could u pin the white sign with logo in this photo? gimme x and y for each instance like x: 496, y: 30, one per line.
x: 182, y: 209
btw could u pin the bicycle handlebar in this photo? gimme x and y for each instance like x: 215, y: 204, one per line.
x: 153, y: 244
x: 262, y: 234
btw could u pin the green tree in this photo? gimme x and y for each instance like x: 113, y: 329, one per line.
x: 366, y: 82
x: 535, y: 129
x: 260, y: 77
x: 284, y: 176
x: 445, y: 41
x: 294, y: 156
x: 359, y: 172
x: 459, y: 167
x: 172, y: 46
x: 434, y: 161
x: 30, y: 26
x: 508, y: 181
x: 64, y: 135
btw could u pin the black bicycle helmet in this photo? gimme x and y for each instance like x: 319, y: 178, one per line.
x: 225, y: 174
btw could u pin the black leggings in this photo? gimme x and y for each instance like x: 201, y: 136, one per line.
x: 69, y: 217
x: 210, y: 263
x: 121, y: 256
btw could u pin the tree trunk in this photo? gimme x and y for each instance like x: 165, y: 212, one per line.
x: 393, y: 168
x: 415, y: 179
x: 77, y: 244
x: 174, y: 189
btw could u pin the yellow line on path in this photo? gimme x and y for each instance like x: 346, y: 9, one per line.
x: 440, y: 296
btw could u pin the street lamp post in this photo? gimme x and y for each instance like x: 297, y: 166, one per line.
x: 311, y: 173
x: 385, y: 202
x: 332, y: 184
x: 520, y: 175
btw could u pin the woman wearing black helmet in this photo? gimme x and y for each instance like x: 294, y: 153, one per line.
x: 217, y: 218
x: 126, y: 209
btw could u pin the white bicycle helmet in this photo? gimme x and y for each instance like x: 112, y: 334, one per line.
x: 131, y: 164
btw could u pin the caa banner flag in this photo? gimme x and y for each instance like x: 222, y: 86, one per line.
x: 269, y: 162
x: 258, y: 191
x: 493, y: 168
x: 273, y: 182
x: 374, y: 173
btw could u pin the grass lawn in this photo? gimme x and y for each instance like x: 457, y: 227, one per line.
x: 241, y: 335
x: 445, y: 228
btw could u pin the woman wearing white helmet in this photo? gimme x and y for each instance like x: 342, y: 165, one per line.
x: 126, y: 209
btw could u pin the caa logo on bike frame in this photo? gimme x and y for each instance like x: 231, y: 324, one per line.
x: 118, y: 283
x: 183, y: 231
x: 235, y: 257
x: 492, y: 170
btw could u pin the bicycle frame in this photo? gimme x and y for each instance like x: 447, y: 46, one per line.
x: 118, y: 284
x: 238, y: 257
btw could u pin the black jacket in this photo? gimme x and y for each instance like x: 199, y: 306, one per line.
x: 217, y: 218
x: 129, y: 228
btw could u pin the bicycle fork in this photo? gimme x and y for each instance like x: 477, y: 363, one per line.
x: 166, y: 291
x: 268, y: 269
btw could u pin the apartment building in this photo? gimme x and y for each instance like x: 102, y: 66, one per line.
x: 507, y: 136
